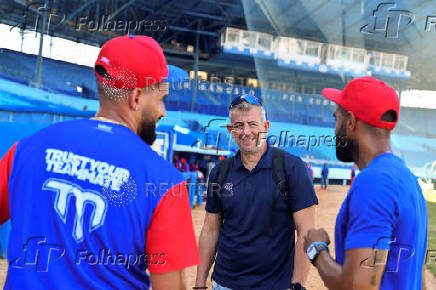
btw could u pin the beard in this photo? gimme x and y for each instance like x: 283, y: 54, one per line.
x: 345, y: 146
x: 148, y: 131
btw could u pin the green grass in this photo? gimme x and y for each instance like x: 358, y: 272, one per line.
x: 431, y: 241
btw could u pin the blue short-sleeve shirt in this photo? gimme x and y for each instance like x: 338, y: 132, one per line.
x: 248, y: 257
x: 385, y: 209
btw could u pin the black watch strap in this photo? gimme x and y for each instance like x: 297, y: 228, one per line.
x: 297, y: 286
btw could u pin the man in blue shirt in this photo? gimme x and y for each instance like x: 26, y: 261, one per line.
x: 324, y: 177
x: 92, y: 206
x: 381, y: 228
x: 255, y: 244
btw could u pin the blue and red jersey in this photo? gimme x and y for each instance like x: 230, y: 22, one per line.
x: 92, y: 206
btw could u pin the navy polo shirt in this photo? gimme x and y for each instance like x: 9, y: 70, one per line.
x: 248, y: 257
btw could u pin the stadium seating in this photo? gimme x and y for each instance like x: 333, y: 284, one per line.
x: 417, y: 121
x: 65, y: 78
x: 58, y: 76
x: 24, y: 110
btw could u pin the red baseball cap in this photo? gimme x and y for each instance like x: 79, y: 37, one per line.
x: 368, y: 98
x: 131, y: 61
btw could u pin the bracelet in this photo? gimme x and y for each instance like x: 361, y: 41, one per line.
x: 198, y: 287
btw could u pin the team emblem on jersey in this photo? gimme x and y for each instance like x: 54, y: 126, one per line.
x: 64, y: 191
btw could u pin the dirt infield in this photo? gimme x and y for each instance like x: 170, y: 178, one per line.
x: 329, y: 203
x: 326, y: 211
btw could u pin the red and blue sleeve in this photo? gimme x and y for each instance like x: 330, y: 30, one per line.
x: 5, y: 172
x: 171, y: 233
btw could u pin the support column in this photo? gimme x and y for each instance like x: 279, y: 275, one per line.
x: 41, y: 42
x: 196, y: 57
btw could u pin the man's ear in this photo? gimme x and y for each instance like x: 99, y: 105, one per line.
x: 266, y: 125
x: 229, y: 128
x: 134, y: 96
x: 351, y: 121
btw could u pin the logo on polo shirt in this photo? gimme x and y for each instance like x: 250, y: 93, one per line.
x: 228, y: 189
x: 228, y: 186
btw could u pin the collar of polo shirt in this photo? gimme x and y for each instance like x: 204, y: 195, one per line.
x: 264, y: 162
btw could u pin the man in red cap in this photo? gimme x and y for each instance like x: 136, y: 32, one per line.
x: 91, y: 204
x: 381, y: 228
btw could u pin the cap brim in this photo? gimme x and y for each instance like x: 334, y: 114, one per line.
x: 334, y: 95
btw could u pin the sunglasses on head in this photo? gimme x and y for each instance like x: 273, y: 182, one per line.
x: 247, y: 98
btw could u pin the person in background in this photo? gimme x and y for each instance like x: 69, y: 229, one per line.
x: 184, y: 165
x: 193, y: 167
x: 309, y: 168
x: 353, y: 174
x: 176, y: 161
x: 210, y: 166
x: 324, y: 177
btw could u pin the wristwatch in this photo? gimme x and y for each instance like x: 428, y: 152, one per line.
x: 314, y: 250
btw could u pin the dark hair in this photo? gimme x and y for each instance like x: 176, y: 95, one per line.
x: 389, y: 116
x: 102, y: 72
x: 342, y: 111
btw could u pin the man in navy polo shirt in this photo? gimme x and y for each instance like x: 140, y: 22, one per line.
x: 381, y: 228
x: 253, y: 252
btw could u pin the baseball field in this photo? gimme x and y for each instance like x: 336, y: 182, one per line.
x: 329, y: 203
